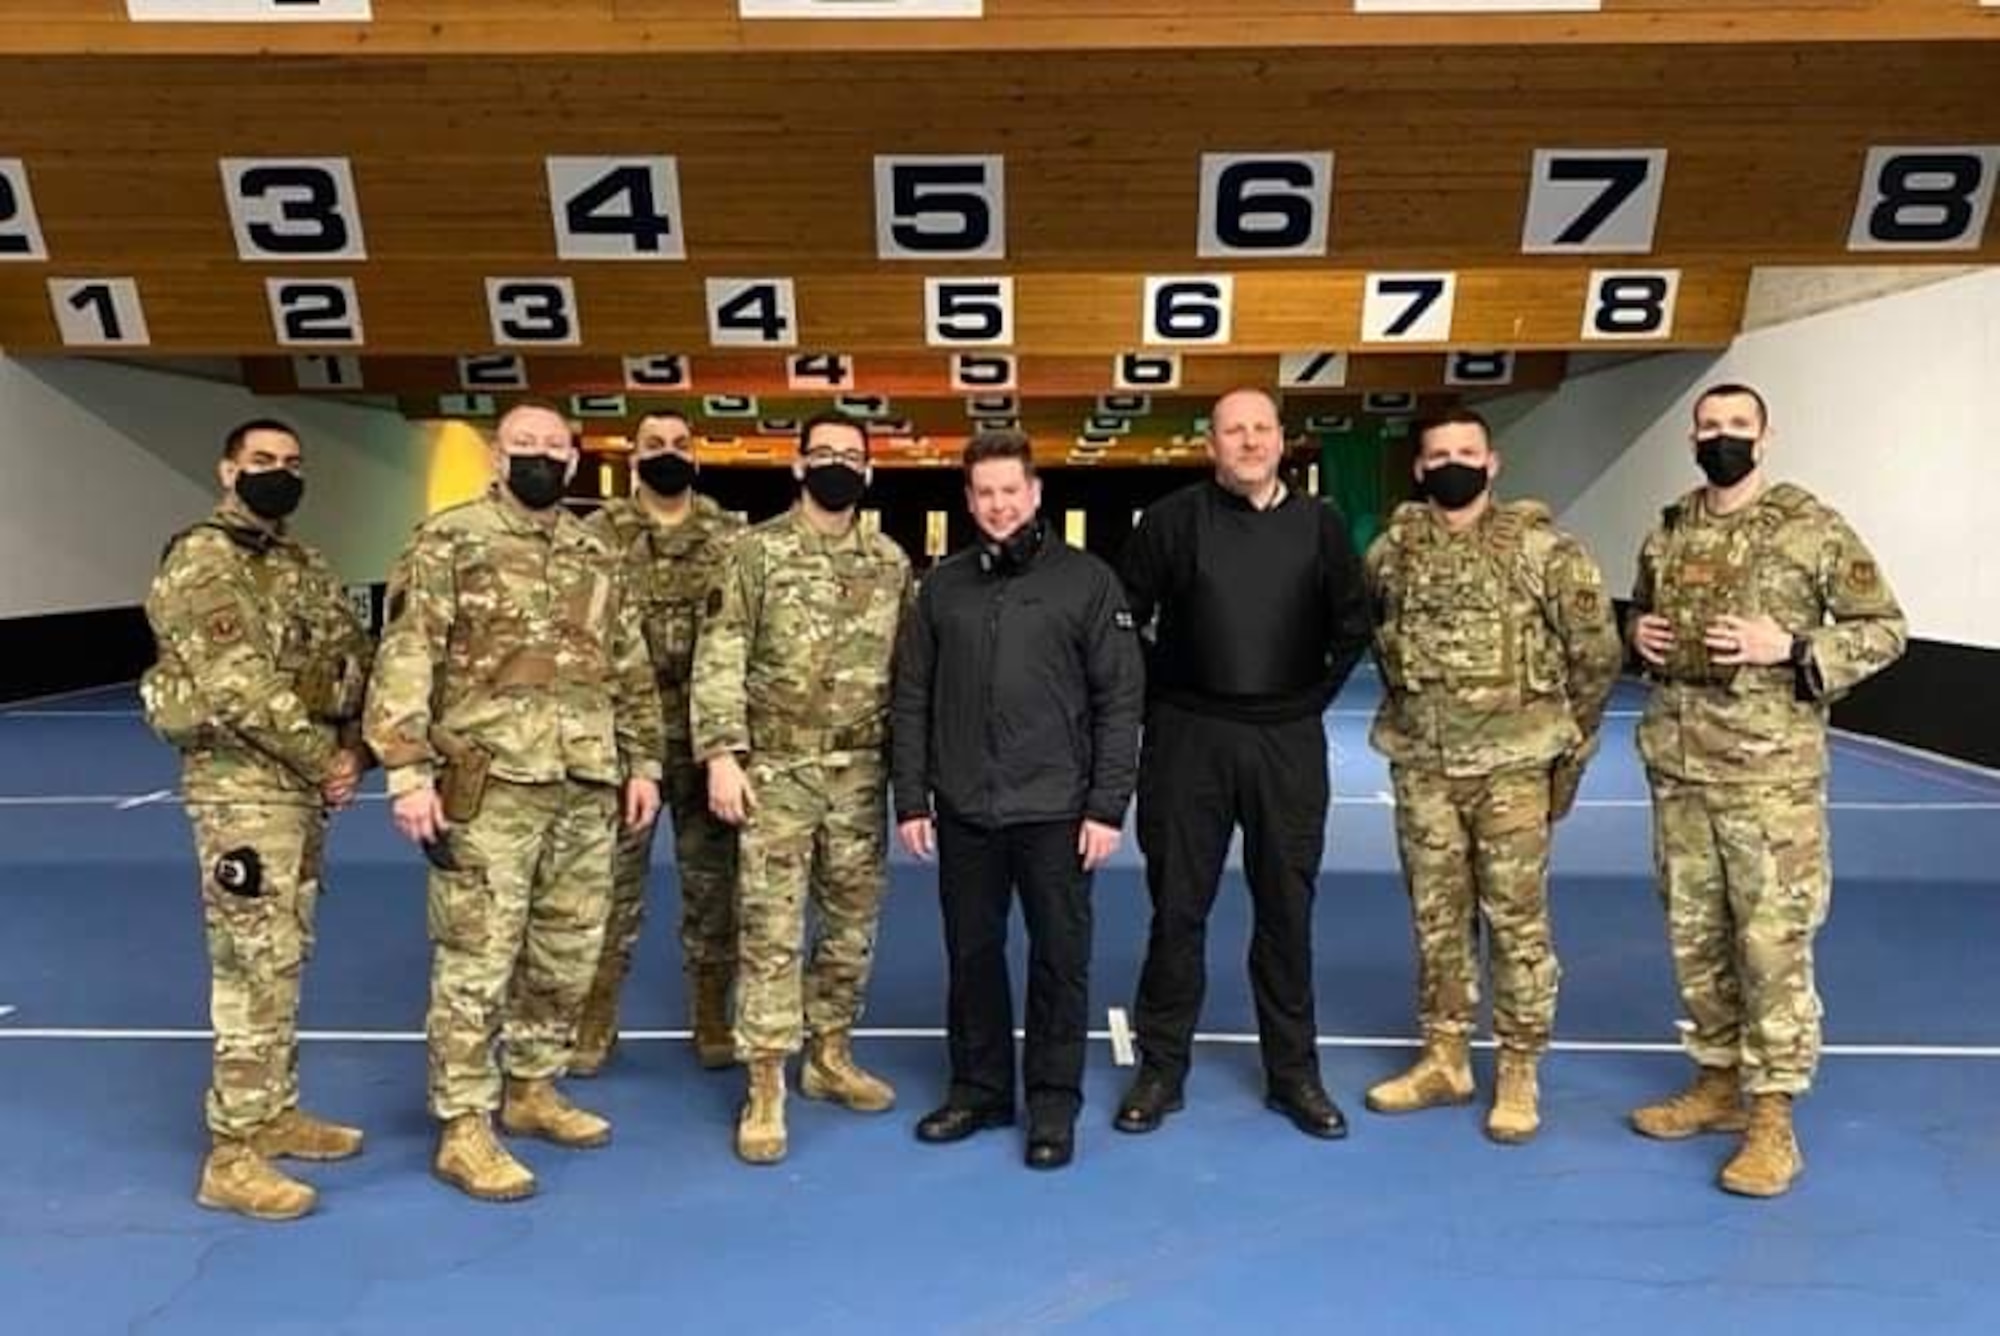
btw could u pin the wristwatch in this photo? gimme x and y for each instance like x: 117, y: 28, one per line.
x: 1801, y: 652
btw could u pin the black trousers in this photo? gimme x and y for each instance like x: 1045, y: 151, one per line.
x: 978, y: 871
x: 1199, y: 778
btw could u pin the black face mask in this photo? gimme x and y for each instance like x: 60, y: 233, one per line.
x: 1454, y: 485
x: 537, y: 481
x: 272, y: 494
x: 835, y: 486
x: 1011, y: 555
x: 667, y: 475
x: 1727, y: 460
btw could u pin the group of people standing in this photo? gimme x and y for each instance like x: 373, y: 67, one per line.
x: 545, y: 687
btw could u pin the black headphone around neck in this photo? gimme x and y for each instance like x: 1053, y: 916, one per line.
x: 1011, y: 555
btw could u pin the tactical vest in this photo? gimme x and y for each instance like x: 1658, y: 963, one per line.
x: 327, y: 681
x: 1709, y: 570
x: 676, y: 584
x: 1463, y: 613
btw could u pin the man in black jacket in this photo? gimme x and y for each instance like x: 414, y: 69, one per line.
x: 1263, y: 611
x: 1015, y: 742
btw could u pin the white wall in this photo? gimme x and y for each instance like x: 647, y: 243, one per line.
x: 100, y: 463
x: 1888, y: 410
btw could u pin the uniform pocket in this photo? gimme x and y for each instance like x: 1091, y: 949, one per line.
x: 458, y: 909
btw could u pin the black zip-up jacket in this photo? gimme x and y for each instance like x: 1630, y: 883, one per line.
x: 1018, y: 692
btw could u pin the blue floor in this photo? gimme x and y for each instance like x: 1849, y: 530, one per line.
x: 1225, y: 1220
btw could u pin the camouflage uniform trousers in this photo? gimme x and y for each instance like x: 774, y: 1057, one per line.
x: 705, y: 864
x: 1746, y: 883
x: 1474, y: 849
x: 257, y: 949
x: 818, y: 834
x: 516, y: 933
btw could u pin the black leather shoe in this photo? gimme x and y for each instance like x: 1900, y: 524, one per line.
x: 956, y: 1122
x: 1311, y: 1110
x: 1147, y: 1104
x: 1051, y: 1147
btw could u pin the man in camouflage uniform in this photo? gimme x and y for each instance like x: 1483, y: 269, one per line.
x: 511, y: 696
x: 1498, y: 651
x: 791, y: 703
x: 258, y: 683
x: 672, y: 541
x: 1755, y: 608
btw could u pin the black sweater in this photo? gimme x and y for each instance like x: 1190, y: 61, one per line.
x: 1018, y: 694
x: 1262, y: 613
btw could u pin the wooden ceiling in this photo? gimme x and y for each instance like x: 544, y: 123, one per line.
x: 1234, y: 191
x: 627, y: 27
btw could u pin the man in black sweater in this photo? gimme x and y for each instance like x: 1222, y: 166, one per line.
x: 1262, y: 612
x: 1015, y: 738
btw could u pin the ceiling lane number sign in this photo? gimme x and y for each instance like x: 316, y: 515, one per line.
x: 249, y: 11
x: 861, y: 9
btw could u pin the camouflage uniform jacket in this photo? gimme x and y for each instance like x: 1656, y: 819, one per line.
x: 1497, y: 645
x: 797, y: 642
x: 669, y: 573
x: 512, y: 634
x: 262, y: 662
x: 1791, y: 556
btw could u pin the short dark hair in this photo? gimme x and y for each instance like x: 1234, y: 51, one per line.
x: 1455, y: 416
x: 1728, y: 388
x: 830, y: 419
x: 986, y: 445
x: 674, y: 413
x: 232, y: 444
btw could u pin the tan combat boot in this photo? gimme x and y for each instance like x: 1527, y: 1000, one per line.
x: 597, y: 1027
x: 538, y: 1109
x: 236, y: 1178
x: 1768, y: 1162
x: 298, y: 1135
x: 1712, y: 1103
x: 760, y: 1127
x: 1516, y: 1114
x: 1441, y: 1075
x: 708, y: 997
x: 472, y: 1160
x: 830, y: 1073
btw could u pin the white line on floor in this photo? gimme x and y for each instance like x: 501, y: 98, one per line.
x: 125, y: 802
x: 1974, y: 1051
x: 1861, y: 744
x: 70, y: 714
x: 28, y: 702
x: 1353, y: 712
x: 1382, y: 798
